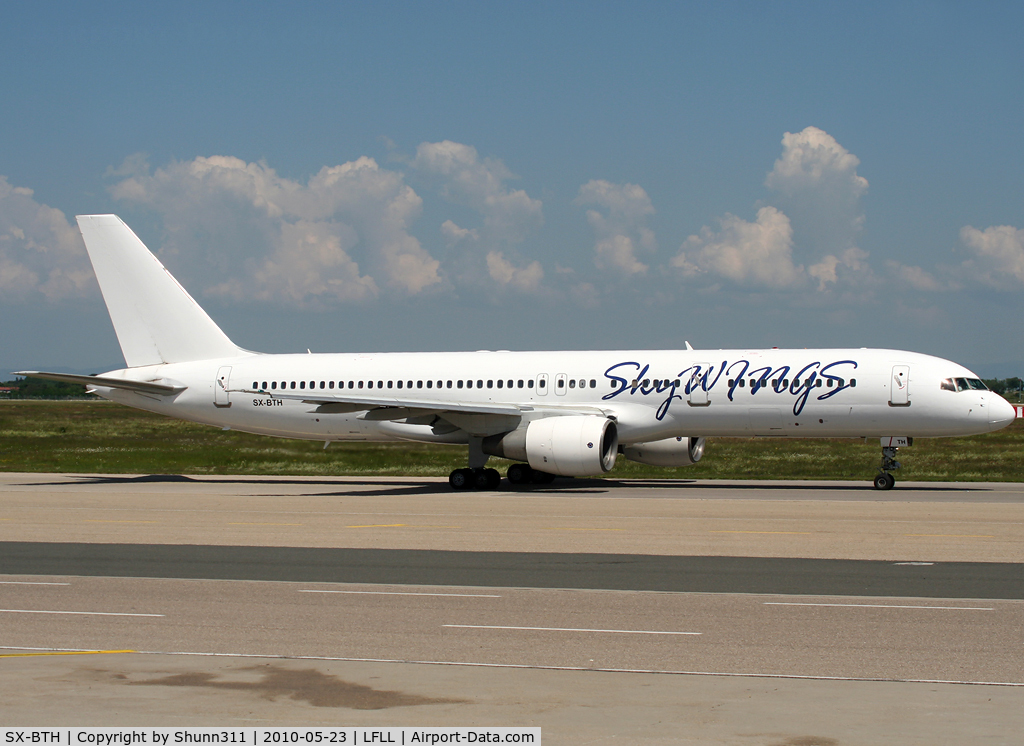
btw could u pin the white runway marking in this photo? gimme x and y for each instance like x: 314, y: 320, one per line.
x: 26, y: 582
x: 82, y: 613
x: 477, y: 664
x: 407, y: 593
x: 883, y: 606
x: 570, y: 629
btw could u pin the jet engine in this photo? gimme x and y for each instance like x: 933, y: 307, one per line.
x: 571, y: 445
x: 680, y: 451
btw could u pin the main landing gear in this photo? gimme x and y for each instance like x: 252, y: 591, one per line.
x: 474, y: 479
x: 525, y: 474
x: 884, y: 480
x: 489, y: 479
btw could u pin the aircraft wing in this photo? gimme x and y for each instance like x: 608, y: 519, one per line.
x: 391, y: 408
x: 162, y: 386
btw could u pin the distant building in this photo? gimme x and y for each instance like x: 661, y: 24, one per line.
x: 7, y: 390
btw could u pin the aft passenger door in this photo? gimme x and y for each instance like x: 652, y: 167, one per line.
x: 220, y: 387
x: 899, y: 387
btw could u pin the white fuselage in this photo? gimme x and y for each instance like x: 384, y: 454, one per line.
x: 651, y: 395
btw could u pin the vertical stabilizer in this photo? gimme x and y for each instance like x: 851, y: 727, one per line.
x: 155, y: 319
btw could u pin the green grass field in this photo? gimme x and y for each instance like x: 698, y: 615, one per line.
x: 101, y: 437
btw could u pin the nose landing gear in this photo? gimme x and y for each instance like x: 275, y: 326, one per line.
x: 884, y: 480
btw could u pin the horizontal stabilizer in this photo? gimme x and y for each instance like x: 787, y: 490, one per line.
x: 166, y: 388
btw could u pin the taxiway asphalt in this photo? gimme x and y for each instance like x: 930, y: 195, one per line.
x: 641, y: 596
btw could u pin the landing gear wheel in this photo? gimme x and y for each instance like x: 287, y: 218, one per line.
x: 884, y: 481
x: 460, y: 479
x: 486, y: 479
x: 542, y: 477
x: 519, y: 474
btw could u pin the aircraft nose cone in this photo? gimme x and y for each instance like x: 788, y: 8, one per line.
x: 1001, y: 412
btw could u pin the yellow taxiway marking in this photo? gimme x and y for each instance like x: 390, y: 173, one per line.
x: 64, y: 652
x: 763, y: 532
x: 89, y: 520
x: 955, y: 536
x: 265, y: 524
x: 381, y: 525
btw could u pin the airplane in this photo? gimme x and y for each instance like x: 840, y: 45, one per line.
x: 553, y: 413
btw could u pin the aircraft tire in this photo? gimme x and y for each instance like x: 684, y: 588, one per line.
x: 542, y: 477
x: 519, y: 474
x: 460, y: 479
x: 884, y: 481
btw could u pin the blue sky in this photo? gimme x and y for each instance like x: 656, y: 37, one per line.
x: 450, y: 176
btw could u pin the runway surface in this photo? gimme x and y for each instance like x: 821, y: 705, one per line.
x: 230, y: 586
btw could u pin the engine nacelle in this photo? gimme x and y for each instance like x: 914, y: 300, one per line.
x: 571, y: 446
x: 681, y: 451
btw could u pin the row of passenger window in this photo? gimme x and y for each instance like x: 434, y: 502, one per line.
x: 784, y: 383
x: 479, y: 383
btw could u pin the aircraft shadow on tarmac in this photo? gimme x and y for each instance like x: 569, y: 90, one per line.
x: 561, y: 485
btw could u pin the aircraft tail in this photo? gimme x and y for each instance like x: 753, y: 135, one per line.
x: 155, y: 318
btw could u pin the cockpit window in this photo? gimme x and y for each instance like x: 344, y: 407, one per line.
x: 965, y: 384
x: 947, y: 385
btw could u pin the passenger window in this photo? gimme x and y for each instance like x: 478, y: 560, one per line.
x: 583, y: 384
x: 479, y: 384
x: 419, y: 384
x: 593, y: 383
x: 430, y: 384
x: 273, y: 384
x: 529, y: 384
x: 353, y: 383
x: 775, y: 382
x: 330, y: 385
x: 408, y: 384
x: 302, y: 384
x: 449, y: 384
x: 255, y: 384
x: 501, y: 383
x: 490, y: 384
x: 460, y: 384
x: 817, y: 383
x: 853, y: 383
x: 519, y: 383
x: 312, y: 384
x: 399, y: 384
x: 796, y: 382
x: 360, y: 384
x: 390, y: 384
x: 829, y: 384
x: 647, y: 382
x: 323, y: 384
x: 510, y: 383
x: 572, y: 383
x: 742, y: 383
x: 293, y: 384
x: 369, y: 384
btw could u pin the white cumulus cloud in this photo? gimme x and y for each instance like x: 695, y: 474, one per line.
x: 751, y: 254
x: 525, y: 279
x: 618, y: 224
x: 41, y: 252
x: 480, y: 183
x: 343, y: 236
x: 998, y: 255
